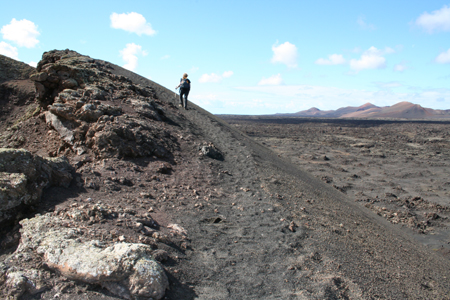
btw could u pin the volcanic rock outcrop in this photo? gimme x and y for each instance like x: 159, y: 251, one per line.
x: 24, y: 176
x: 96, y: 116
x: 82, y: 101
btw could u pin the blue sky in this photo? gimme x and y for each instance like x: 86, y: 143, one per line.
x: 253, y: 57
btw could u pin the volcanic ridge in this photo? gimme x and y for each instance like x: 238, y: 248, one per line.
x: 110, y: 190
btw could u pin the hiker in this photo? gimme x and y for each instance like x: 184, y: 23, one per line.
x: 185, y: 87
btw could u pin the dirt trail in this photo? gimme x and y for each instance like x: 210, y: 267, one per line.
x: 279, y: 233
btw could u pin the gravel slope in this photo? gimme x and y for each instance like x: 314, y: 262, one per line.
x: 334, y: 248
x: 249, y: 225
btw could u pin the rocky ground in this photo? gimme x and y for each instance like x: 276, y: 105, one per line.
x: 167, y: 203
x: 398, y: 169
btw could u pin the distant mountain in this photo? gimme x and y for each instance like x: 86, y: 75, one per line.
x: 315, y: 112
x: 401, y: 110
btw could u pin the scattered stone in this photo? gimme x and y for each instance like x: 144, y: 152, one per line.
x: 177, y: 229
x: 19, y: 282
x: 211, y: 151
x: 160, y: 255
x: 432, y: 216
x: 164, y: 168
x: 292, y: 226
x: 363, y: 145
x: 145, y: 195
x: 215, y: 220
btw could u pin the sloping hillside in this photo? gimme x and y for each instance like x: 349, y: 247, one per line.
x: 13, y: 70
x: 225, y: 216
x: 405, y: 110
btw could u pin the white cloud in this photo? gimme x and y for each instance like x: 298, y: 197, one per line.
x: 286, y: 54
x: 24, y: 33
x: 436, y: 21
x: 130, y: 55
x: 443, y: 58
x: 371, y: 59
x: 363, y: 25
x: 33, y: 64
x: 131, y: 22
x: 214, y: 77
x: 210, y: 78
x: 8, y: 50
x: 400, y: 67
x: 333, y: 59
x: 368, y: 61
x: 272, y: 80
x: 165, y: 56
x: 227, y: 74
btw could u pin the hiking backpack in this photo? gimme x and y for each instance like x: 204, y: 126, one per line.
x: 185, y: 84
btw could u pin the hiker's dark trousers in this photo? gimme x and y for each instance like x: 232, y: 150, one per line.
x: 184, y: 92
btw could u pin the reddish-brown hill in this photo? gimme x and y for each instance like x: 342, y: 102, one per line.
x: 401, y: 110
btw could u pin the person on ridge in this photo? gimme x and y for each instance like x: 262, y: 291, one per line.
x: 185, y: 87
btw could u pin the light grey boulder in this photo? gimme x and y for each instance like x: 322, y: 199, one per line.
x: 19, y: 282
x: 125, y: 269
x: 13, y: 186
x: 64, y: 131
x: 23, y: 177
x: 211, y: 151
x: 92, y: 112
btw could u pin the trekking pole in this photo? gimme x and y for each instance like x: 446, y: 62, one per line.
x: 175, y: 94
